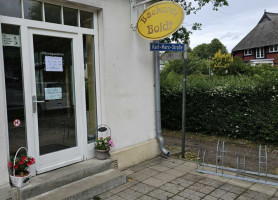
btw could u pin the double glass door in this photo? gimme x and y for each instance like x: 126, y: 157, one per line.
x: 53, y: 69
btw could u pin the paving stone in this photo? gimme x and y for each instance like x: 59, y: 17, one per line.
x: 172, y: 188
x: 274, y: 198
x: 240, y: 183
x: 123, y: 187
x: 165, y: 177
x: 207, y: 189
x: 211, y: 182
x: 208, y: 197
x: 192, y: 177
x: 145, y: 197
x: 160, y: 168
x: 115, y: 197
x: 191, y: 194
x: 255, y: 195
x: 129, y: 194
x: 177, y: 197
x: 276, y: 194
x: 218, y: 193
x: 160, y: 194
x: 150, y: 172
x: 263, y: 188
x: 229, y: 196
x: 139, y: 176
x: 182, y: 182
x: 170, y: 163
x: 226, y: 187
x: 243, y: 198
x: 196, y: 186
x: 175, y: 172
x: 154, y: 182
x: 184, y: 168
x: 142, y: 188
x: 137, y: 168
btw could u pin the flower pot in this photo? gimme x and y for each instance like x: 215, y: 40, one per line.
x: 20, y: 181
x: 102, y: 154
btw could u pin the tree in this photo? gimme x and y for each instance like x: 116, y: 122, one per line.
x: 221, y: 63
x: 206, y: 51
x: 214, y: 46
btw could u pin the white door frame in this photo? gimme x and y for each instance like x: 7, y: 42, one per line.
x: 60, y: 158
x: 29, y: 25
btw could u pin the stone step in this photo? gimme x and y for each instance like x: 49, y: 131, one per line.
x: 86, y: 188
x: 57, y: 178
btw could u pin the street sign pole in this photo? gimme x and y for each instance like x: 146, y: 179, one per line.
x: 184, y: 100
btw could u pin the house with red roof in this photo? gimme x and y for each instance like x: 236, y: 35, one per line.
x: 260, y: 45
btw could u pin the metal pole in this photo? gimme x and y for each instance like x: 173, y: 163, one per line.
x: 184, y: 99
x: 157, y: 103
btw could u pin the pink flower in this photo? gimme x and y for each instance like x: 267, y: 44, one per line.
x: 16, y: 167
x: 24, y: 158
x: 21, y: 162
x: 111, y: 143
x: 29, y: 163
x: 10, y: 164
x: 32, y: 160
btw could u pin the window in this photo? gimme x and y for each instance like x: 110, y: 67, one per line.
x: 247, y: 52
x: 260, y: 52
x: 11, y: 8
x: 70, y: 16
x: 52, y: 13
x: 32, y: 10
x: 86, y: 19
x: 273, y: 48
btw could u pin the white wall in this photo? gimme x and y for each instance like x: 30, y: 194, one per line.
x: 127, y: 77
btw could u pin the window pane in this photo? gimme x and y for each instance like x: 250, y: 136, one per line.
x: 11, y: 8
x: 32, y: 10
x: 90, y: 86
x: 14, y: 86
x: 86, y: 19
x: 52, y: 13
x: 70, y: 16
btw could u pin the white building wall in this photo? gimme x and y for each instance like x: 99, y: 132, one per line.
x: 126, y: 81
x: 127, y: 77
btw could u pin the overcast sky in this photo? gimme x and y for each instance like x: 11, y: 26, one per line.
x: 229, y: 24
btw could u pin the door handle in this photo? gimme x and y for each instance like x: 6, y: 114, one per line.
x: 35, y: 101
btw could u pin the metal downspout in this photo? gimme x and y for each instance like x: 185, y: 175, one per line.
x: 157, y: 103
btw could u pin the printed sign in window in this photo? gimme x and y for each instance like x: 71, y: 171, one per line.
x: 11, y: 40
x: 53, y: 93
x: 53, y: 64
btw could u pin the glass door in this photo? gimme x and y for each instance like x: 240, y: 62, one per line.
x: 54, y: 103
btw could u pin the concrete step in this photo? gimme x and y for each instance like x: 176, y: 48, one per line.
x: 57, y: 178
x: 86, y: 188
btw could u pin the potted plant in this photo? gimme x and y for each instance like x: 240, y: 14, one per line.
x: 102, y: 147
x: 19, y: 166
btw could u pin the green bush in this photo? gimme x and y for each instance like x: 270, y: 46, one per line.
x: 234, y: 106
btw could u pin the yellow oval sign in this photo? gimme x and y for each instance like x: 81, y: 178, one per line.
x: 160, y: 20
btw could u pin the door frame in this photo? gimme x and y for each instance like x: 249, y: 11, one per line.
x: 25, y: 25
x: 60, y: 158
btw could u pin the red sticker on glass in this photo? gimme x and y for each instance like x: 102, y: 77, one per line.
x: 17, y: 123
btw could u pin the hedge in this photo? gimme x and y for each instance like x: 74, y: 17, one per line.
x: 234, y: 106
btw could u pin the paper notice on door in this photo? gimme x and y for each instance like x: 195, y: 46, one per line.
x: 11, y: 40
x: 53, y: 64
x: 53, y: 93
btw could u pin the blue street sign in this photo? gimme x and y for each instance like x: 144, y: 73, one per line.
x: 166, y: 47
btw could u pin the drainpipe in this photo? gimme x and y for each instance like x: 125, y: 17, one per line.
x: 157, y: 103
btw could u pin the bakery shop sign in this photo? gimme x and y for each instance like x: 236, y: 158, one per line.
x: 160, y: 20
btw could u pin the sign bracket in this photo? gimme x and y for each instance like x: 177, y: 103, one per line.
x: 133, y: 12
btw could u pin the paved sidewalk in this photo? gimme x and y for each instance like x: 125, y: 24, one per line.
x: 174, y: 179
